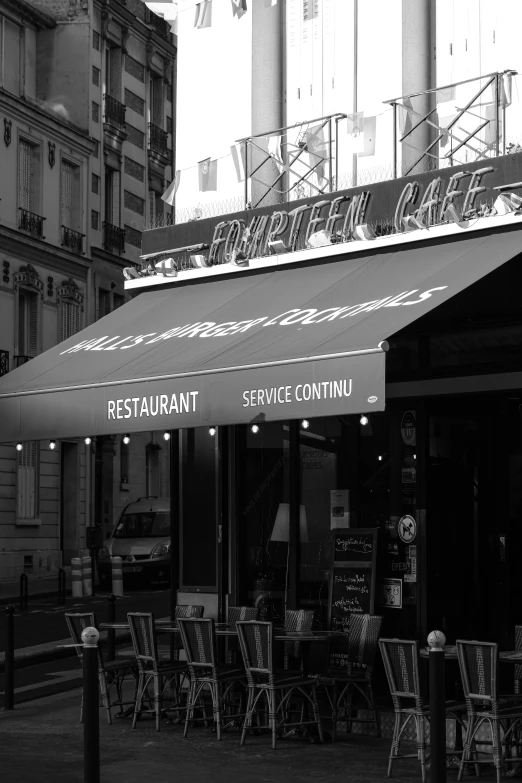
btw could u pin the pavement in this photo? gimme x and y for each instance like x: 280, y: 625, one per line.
x: 42, y: 742
x: 37, y: 587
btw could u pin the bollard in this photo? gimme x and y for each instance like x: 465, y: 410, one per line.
x: 111, y: 633
x: 61, y: 587
x: 9, y: 658
x: 86, y: 576
x: 91, y: 715
x: 76, y: 573
x: 24, y: 592
x: 436, y: 641
x: 117, y: 576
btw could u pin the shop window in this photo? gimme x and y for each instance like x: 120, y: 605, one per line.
x: 153, y: 470
x: 124, y: 464
x: 26, y: 481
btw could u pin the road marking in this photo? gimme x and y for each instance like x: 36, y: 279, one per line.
x: 72, y: 674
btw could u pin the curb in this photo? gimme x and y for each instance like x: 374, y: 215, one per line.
x: 31, y: 656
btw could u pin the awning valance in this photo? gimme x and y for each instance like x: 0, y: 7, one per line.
x: 282, y: 344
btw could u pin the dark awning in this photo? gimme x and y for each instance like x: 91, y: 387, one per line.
x: 283, y: 344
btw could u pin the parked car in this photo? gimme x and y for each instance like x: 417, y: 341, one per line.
x: 141, y: 538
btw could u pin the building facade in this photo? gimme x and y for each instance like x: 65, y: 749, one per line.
x: 87, y: 104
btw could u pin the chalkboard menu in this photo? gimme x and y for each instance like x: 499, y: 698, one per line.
x: 352, y: 577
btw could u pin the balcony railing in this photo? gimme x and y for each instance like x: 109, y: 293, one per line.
x: 113, y: 238
x: 21, y: 359
x: 159, y: 25
x: 31, y: 223
x: 72, y: 240
x: 114, y: 111
x: 158, y: 140
x: 4, y: 362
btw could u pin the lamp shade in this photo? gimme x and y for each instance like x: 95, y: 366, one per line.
x: 281, y: 530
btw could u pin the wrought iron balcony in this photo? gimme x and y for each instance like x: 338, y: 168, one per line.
x: 113, y: 111
x: 21, y: 359
x: 113, y: 238
x: 4, y: 362
x: 158, y: 140
x: 31, y: 223
x: 72, y: 240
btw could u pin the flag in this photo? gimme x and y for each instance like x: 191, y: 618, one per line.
x: 238, y: 156
x: 368, y: 137
x: 355, y: 127
x: 170, y: 194
x: 506, y: 90
x: 443, y: 126
x: 274, y: 150
x: 239, y: 7
x: 207, y: 174
x: 317, y: 150
x: 203, y: 16
x: 446, y: 94
x: 405, y: 116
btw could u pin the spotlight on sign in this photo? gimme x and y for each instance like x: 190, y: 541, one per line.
x: 167, y: 267
x: 212, y: 431
x: 380, y: 457
x: 166, y: 435
x: 52, y: 445
x: 88, y: 441
x: 19, y: 446
x: 130, y: 273
x: 199, y: 261
x: 363, y: 420
x: 239, y: 259
x: 126, y: 439
x: 277, y: 246
x: 364, y: 232
x: 305, y: 424
x: 255, y: 428
x: 319, y: 239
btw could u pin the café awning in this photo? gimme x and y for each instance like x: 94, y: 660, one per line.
x: 281, y: 344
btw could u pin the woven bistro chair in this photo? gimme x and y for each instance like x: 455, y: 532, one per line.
x: 340, y: 684
x: 296, y: 620
x: 401, y: 662
x: 199, y: 641
x: 256, y: 640
x: 518, y: 667
x: 162, y: 675
x: 234, y: 614
x: 111, y: 674
x: 183, y: 610
x: 478, y: 662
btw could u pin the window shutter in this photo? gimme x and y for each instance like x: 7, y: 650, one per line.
x: 11, y: 60
x: 26, y: 481
x: 32, y: 324
x: 67, y: 174
x: 69, y: 319
x: 25, y: 175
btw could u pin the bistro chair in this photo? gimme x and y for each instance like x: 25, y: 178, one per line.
x: 358, y: 654
x: 256, y: 640
x: 183, y: 610
x: 478, y: 662
x: 401, y: 662
x: 162, y: 675
x: 296, y: 620
x: 234, y: 614
x: 518, y: 667
x: 199, y: 641
x: 111, y: 674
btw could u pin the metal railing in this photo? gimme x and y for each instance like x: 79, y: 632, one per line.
x: 158, y: 139
x: 31, y: 223
x: 113, y: 238
x: 113, y: 111
x: 20, y: 359
x: 159, y: 25
x: 4, y: 362
x: 72, y: 240
x: 455, y: 124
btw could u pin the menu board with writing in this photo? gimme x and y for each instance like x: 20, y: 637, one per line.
x: 352, y: 579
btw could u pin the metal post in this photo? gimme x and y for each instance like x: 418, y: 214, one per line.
x: 93, y: 571
x: 394, y: 140
x: 245, y: 165
x: 330, y: 149
x: 497, y: 115
x: 91, y: 716
x: 111, y: 633
x: 9, y: 658
x: 24, y: 592
x: 436, y: 641
x: 61, y: 587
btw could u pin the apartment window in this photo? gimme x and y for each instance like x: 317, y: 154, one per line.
x: 112, y: 196
x: 95, y: 40
x: 156, y: 101
x: 28, y: 175
x: 27, y: 323
x: 69, y: 319
x: 70, y: 195
x: 95, y: 112
x: 169, y: 124
x: 95, y: 220
x: 96, y: 76
x: 155, y: 207
x: 113, y: 72
x: 26, y: 481
x: 95, y: 186
x: 104, y: 302
x: 10, y: 49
